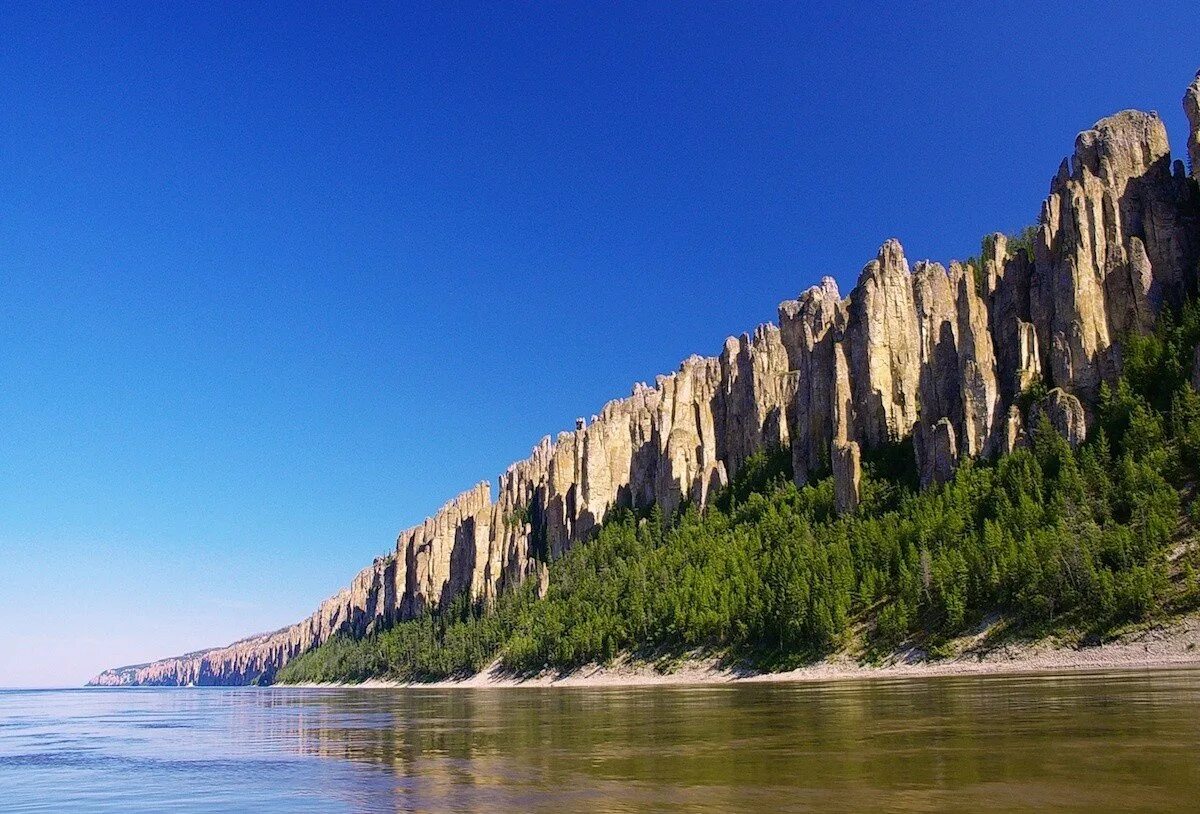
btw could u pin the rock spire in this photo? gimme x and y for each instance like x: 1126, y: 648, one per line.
x: 931, y: 356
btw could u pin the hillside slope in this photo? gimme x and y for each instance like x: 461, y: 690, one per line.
x: 959, y: 364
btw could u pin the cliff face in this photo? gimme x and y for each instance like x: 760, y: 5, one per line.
x: 939, y: 355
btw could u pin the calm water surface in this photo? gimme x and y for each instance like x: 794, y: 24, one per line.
x: 1084, y: 742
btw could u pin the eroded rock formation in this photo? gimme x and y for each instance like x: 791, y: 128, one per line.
x: 1117, y: 240
x: 847, y: 476
x: 1014, y: 430
x: 809, y: 327
x: 934, y: 357
x: 1191, y: 106
x: 1065, y: 414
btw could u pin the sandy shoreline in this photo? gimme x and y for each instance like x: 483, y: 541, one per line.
x: 1176, y: 644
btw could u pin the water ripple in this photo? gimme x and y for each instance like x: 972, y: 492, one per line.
x: 1093, y: 742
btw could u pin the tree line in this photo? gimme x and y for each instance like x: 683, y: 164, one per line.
x: 1051, y: 537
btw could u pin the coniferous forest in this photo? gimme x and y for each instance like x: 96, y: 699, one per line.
x: 1048, y: 538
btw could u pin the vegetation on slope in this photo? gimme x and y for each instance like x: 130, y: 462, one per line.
x: 1049, y: 536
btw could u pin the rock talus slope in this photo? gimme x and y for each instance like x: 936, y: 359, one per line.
x: 939, y: 356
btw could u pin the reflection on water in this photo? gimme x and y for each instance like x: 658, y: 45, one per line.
x: 1084, y: 742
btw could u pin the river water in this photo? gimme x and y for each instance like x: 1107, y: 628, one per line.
x: 1093, y: 742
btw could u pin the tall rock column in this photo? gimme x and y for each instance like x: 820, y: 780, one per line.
x: 757, y: 394
x: 1014, y: 338
x: 689, y: 426
x: 809, y: 327
x: 939, y: 452
x: 959, y: 392
x: 845, y: 454
x: 847, y: 476
x: 884, y: 351
x: 1191, y: 106
x: 937, y: 332
x: 1117, y: 239
x: 980, y: 390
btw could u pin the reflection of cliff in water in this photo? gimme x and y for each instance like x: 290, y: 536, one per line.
x: 971, y: 743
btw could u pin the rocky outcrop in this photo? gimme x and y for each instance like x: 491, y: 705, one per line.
x: 1117, y: 239
x: 882, y: 346
x: 845, y: 454
x: 442, y: 555
x: 1065, y: 414
x: 938, y: 452
x: 958, y: 378
x: 809, y: 327
x: 1191, y: 106
x: 1013, y: 432
x: 933, y: 357
x: 941, y: 391
x: 847, y: 476
x: 978, y: 382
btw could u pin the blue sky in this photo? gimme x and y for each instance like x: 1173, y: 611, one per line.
x: 276, y: 282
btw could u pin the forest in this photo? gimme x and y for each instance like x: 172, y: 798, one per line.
x: 1048, y: 538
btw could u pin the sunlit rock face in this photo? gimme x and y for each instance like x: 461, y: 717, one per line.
x: 809, y: 328
x: 1191, y: 106
x: 1117, y: 241
x: 883, y: 349
x: 920, y: 354
x: 1065, y: 414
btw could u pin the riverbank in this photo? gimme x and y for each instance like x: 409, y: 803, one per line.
x: 1173, y: 644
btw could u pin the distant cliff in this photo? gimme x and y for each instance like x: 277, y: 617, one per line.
x: 940, y: 355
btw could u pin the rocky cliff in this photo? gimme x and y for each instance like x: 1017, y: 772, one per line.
x: 933, y: 354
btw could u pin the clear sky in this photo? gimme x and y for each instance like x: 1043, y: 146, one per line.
x: 276, y: 282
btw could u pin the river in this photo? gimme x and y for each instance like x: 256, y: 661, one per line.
x: 1085, y: 742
